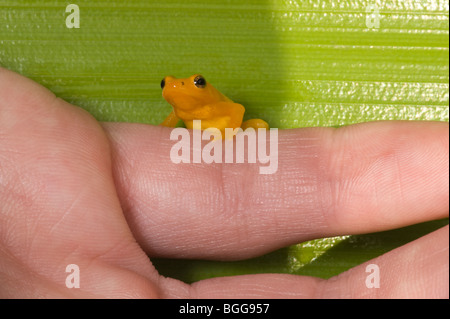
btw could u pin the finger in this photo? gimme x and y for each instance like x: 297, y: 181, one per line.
x: 54, y: 157
x: 58, y: 204
x: 357, y: 179
x: 418, y: 269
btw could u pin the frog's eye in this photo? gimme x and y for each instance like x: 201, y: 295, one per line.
x: 200, y: 81
x: 163, y: 83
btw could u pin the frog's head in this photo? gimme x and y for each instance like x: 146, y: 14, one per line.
x: 189, y: 93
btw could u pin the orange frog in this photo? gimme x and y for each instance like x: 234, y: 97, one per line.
x: 195, y: 99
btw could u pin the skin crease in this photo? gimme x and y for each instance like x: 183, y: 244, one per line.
x: 106, y: 196
x: 194, y: 98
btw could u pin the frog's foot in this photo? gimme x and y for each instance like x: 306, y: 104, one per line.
x: 255, y: 123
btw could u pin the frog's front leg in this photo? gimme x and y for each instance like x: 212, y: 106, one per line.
x: 171, y: 120
x: 227, y: 115
x: 220, y: 115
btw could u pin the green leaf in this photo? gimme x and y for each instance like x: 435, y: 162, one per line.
x: 293, y: 63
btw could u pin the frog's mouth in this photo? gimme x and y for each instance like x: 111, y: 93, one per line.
x: 181, y: 99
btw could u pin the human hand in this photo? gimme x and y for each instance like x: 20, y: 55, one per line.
x: 106, y: 196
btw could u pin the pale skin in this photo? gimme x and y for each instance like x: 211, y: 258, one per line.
x: 105, y: 196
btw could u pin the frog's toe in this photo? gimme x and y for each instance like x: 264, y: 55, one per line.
x: 255, y: 123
